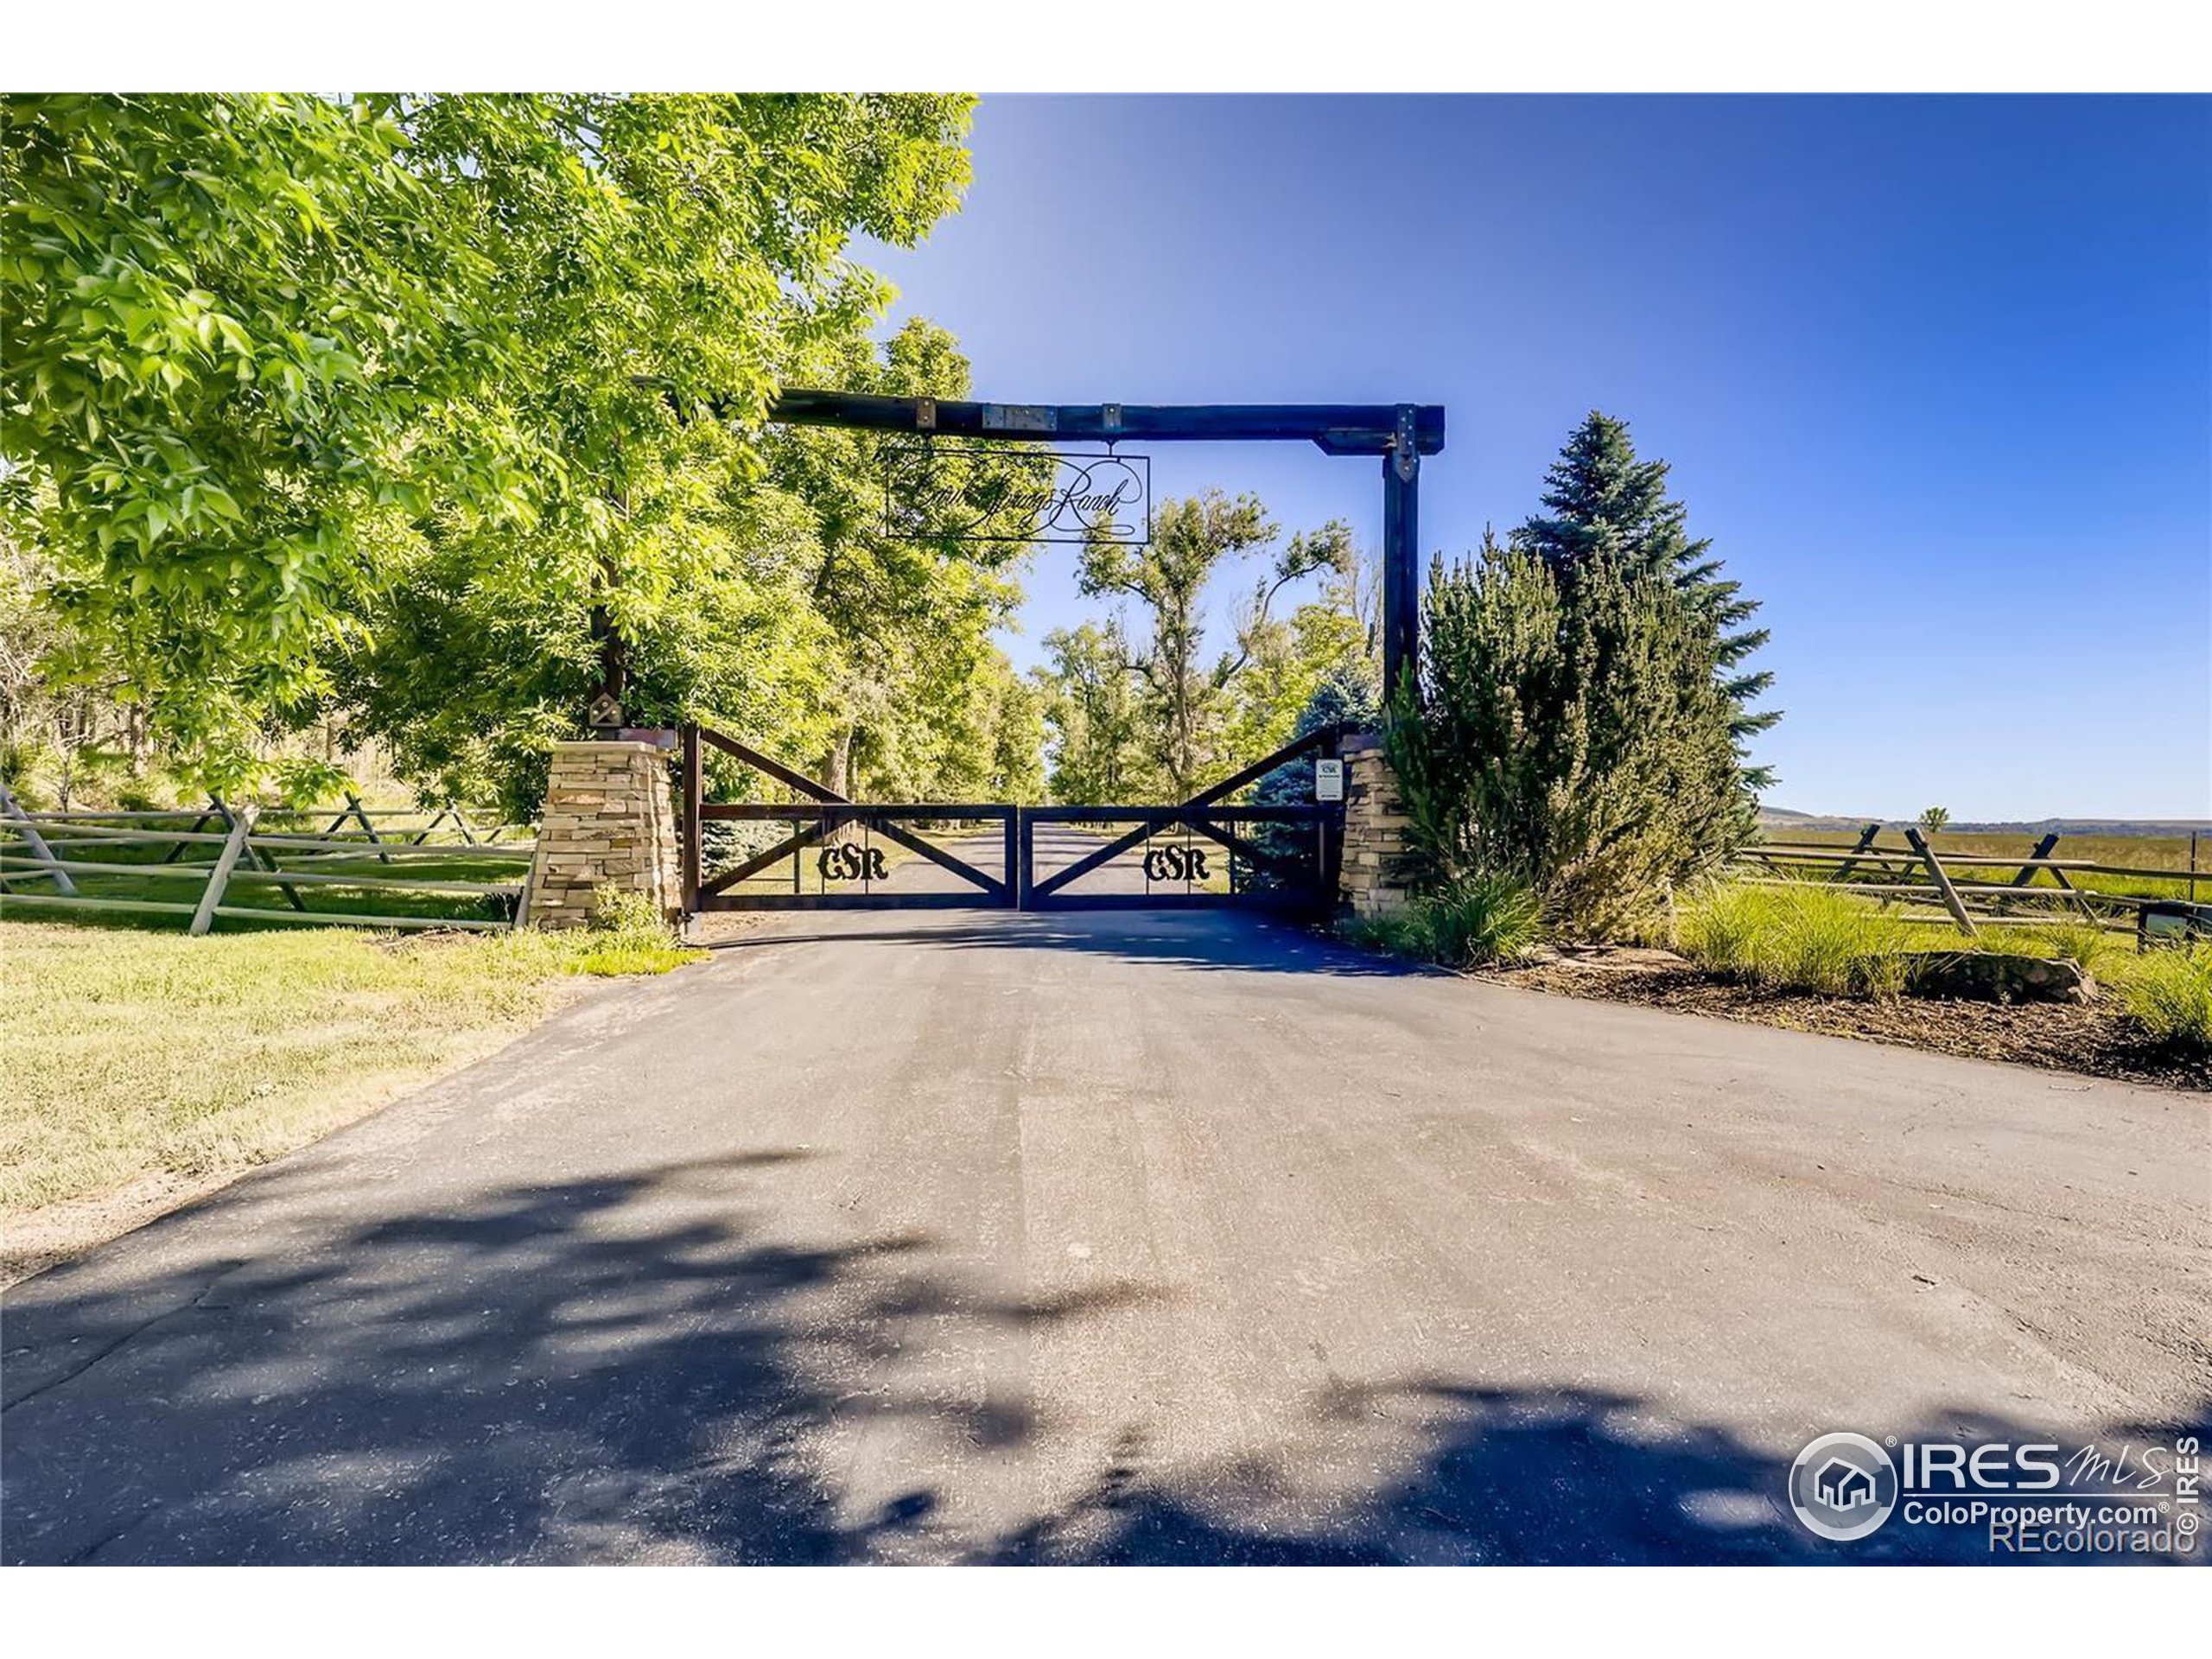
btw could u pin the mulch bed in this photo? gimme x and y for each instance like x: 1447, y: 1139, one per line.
x: 2091, y: 1038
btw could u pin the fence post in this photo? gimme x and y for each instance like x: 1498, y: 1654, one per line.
x: 1866, y: 842
x: 219, y: 877
x: 261, y: 861
x: 40, y: 851
x: 353, y: 810
x: 183, y: 847
x: 2043, y: 850
x: 1943, y: 882
x: 693, y: 831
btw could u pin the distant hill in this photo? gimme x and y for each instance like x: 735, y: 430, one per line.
x: 1782, y: 817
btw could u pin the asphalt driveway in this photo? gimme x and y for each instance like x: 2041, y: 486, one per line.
x: 978, y: 1236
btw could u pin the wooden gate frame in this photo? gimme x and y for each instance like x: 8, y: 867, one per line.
x: 1200, y: 813
x: 826, y: 811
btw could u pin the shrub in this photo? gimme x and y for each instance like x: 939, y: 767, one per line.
x: 1800, y: 937
x: 2170, y: 992
x: 1571, y: 731
x: 629, y: 934
x: 1476, y: 921
x: 20, y: 765
x: 140, y: 796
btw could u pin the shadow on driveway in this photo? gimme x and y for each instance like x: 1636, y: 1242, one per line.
x: 626, y: 1368
x: 1225, y: 938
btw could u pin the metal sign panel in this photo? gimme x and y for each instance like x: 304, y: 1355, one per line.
x: 1328, y: 780
x: 988, y: 493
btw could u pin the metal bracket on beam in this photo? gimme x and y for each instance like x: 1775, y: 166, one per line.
x: 924, y: 414
x: 1110, y: 420
x: 1404, y: 455
x: 1037, y: 419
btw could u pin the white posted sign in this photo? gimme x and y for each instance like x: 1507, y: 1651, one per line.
x: 1328, y: 780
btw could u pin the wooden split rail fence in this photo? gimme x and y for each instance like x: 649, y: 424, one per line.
x: 48, y: 860
x: 1971, y: 890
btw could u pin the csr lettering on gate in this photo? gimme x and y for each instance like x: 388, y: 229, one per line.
x: 851, y: 862
x: 1175, y: 864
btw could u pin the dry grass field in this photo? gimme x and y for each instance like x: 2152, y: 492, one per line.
x: 144, y: 1067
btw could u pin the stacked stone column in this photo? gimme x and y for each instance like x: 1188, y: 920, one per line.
x: 609, y: 822
x: 1375, y: 875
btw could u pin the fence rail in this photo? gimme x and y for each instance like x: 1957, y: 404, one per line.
x: 1958, y: 887
x: 132, y: 859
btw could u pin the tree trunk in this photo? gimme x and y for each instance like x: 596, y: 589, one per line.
x: 837, y: 763
x: 836, y: 772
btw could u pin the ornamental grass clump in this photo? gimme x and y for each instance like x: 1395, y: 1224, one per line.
x: 1482, y: 919
x: 1796, y: 937
x: 2170, y: 993
x: 1476, y: 921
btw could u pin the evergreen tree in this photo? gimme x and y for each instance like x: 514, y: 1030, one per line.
x: 1571, y: 735
x: 1602, y: 503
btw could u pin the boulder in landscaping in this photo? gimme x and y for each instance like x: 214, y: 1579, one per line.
x: 1995, y: 976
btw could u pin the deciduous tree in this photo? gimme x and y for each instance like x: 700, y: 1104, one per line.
x: 270, y: 360
x: 1189, y: 702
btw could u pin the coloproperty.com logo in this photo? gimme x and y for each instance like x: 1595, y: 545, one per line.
x: 2037, y: 1499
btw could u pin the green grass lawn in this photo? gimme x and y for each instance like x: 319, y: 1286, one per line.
x: 139, y: 1052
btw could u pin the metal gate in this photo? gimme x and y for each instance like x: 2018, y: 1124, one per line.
x: 1179, y: 857
x: 826, y: 852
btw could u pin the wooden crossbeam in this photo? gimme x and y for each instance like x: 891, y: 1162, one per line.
x: 1941, y: 879
x: 783, y: 774
x: 1337, y: 429
x: 259, y: 858
x: 2043, y: 851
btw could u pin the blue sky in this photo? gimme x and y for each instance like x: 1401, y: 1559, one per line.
x: 1935, y: 374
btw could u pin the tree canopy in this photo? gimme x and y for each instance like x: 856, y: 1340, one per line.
x: 1151, y: 711
x: 272, y: 364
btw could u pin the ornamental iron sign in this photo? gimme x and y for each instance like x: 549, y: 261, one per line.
x: 846, y: 862
x: 984, y: 493
x: 1175, y: 862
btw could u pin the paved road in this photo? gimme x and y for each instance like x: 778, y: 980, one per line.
x: 995, y: 1237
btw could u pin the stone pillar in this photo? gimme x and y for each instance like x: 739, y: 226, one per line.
x: 1375, y: 874
x: 608, y: 823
